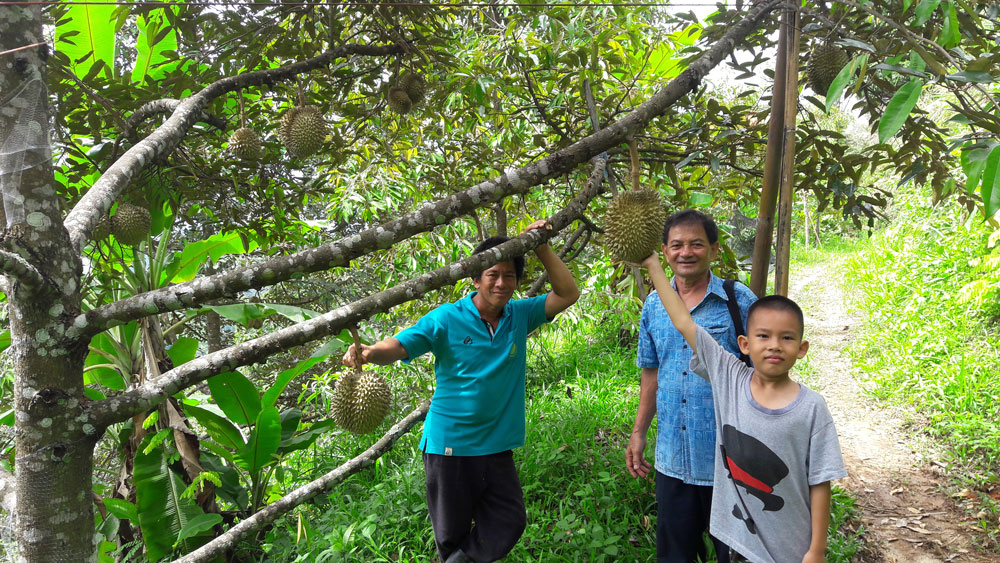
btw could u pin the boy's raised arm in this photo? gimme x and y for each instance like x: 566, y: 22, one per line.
x: 679, y: 314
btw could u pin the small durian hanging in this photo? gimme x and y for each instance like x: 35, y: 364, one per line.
x: 303, y: 130
x: 415, y: 87
x: 130, y: 224
x: 245, y: 144
x: 825, y: 63
x: 362, y: 399
x: 633, y: 222
x: 399, y: 101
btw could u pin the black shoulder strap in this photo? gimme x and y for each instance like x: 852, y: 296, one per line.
x: 729, y: 286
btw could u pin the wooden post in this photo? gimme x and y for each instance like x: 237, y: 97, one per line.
x: 772, y: 168
x: 786, y: 192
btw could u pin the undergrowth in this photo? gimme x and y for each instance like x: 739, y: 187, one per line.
x: 582, y: 505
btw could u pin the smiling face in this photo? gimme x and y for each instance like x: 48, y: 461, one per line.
x: 688, y: 251
x: 496, y: 285
x: 773, y: 341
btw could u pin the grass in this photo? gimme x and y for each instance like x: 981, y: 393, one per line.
x: 582, y: 505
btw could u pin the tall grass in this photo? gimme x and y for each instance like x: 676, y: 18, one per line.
x: 582, y: 505
x: 922, y: 343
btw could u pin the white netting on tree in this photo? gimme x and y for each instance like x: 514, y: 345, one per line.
x: 24, y: 142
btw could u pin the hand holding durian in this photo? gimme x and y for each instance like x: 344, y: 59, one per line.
x: 361, y: 399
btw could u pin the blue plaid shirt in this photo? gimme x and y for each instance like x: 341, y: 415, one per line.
x: 685, y: 440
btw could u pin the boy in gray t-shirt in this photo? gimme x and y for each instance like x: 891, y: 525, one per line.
x: 778, y: 448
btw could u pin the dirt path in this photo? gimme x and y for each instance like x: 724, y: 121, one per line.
x: 893, y: 472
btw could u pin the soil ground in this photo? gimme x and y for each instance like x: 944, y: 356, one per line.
x: 894, y: 472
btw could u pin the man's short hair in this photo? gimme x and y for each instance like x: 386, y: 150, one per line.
x: 691, y: 217
x: 778, y: 303
x: 496, y: 241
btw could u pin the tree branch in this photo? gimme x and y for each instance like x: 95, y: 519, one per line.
x: 105, y: 412
x: 96, y: 203
x: 19, y: 269
x: 339, y: 253
x: 166, y: 105
x: 231, y: 537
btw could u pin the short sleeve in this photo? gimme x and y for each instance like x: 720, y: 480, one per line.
x: 419, y: 338
x: 825, y: 460
x: 534, y: 308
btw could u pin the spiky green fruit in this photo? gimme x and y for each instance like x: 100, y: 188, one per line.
x: 399, y: 100
x: 130, y: 224
x: 825, y: 63
x: 414, y: 86
x: 361, y: 401
x: 101, y: 230
x: 245, y: 144
x: 302, y: 130
x: 633, y: 224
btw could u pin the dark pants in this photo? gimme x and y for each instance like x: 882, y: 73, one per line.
x: 476, y: 504
x: 682, y: 515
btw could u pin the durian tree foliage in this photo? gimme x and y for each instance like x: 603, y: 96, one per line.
x: 143, y: 102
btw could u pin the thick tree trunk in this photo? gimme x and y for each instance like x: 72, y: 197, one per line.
x: 54, y: 519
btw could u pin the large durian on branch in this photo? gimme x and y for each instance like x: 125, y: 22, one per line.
x: 361, y: 400
x: 415, y: 87
x: 302, y: 130
x: 825, y: 63
x: 130, y: 224
x: 245, y: 144
x: 633, y: 224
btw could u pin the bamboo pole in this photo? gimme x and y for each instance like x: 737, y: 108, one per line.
x: 787, y: 189
x: 772, y: 168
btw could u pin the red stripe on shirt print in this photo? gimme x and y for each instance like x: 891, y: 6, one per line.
x: 746, y: 478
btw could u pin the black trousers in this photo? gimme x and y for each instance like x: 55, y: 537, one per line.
x: 476, y: 504
x: 682, y: 515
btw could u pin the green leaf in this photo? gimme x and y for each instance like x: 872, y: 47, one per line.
x: 290, y: 419
x: 86, y: 35
x: 194, y: 255
x: 925, y: 9
x: 951, y: 33
x: 297, y: 314
x: 236, y: 396
x: 197, y: 525
x: 700, y: 199
x: 285, y: 377
x: 972, y: 77
x: 899, y: 108
x: 220, y: 429
x: 843, y: 78
x: 263, y: 441
x: 238, y: 312
x: 183, y: 351
x: 163, y: 511
x: 973, y: 162
x: 306, y: 438
x: 122, y: 508
x: 990, y: 190
x: 156, y: 38
x: 4, y: 340
x: 7, y: 418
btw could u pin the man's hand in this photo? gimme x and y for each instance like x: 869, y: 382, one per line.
x: 539, y: 224
x: 814, y: 557
x: 354, y: 360
x: 635, y: 462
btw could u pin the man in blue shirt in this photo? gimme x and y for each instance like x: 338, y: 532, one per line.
x: 476, y: 417
x: 682, y: 401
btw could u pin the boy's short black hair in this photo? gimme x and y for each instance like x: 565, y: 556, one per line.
x: 691, y: 216
x: 778, y: 303
x: 496, y: 241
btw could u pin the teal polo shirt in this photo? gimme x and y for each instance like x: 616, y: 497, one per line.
x: 478, y: 404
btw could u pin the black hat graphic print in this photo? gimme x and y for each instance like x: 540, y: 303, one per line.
x: 753, y: 467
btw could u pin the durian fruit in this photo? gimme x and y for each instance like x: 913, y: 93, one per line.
x: 245, y: 144
x: 399, y: 100
x: 302, y: 130
x: 633, y: 224
x: 361, y: 400
x: 825, y: 63
x: 130, y: 224
x: 101, y: 230
x: 415, y: 87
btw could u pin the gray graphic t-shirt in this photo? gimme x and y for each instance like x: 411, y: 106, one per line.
x: 767, y: 460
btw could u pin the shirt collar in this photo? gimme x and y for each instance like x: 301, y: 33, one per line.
x: 714, y: 285
x: 466, y: 304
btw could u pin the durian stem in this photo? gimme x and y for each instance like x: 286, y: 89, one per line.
x: 357, y: 344
x: 243, y: 110
x: 633, y: 151
x: 298, y: 90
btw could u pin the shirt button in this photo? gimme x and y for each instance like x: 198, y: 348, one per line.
x: 684, y: 373
x: 684, y: 400
x: 684, y: 427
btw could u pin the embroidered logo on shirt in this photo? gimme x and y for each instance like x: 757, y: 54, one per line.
x: 468, y: 340
x: 447, y: 451
x: 513, y: 350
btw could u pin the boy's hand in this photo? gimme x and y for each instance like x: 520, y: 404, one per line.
x: 635, y: 461
x: 651, y: 261
x: 814, y: 557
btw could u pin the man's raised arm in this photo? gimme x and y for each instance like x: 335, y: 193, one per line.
x: 564, y: 290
